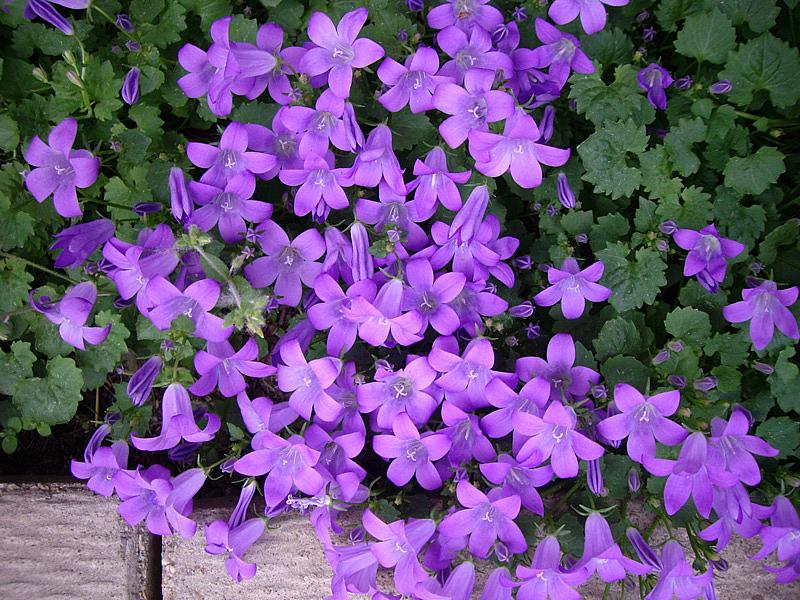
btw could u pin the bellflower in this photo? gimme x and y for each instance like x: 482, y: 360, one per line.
x: 471, y: 107
x: 559, y: 51
x: 141, y: 383
x: 571, y: 286
x: 484, y: 520
x: 307, y: 381
x: 196, y: 302
x: 411, y: 83
x: 412, y: 455
x: 319, y: 126
x: 558, y: 373
x: 281, y: 143
x: 458, y: 585
x: 643, y: 420
x: 100, y: 464
x: 603, y: 556
x: 782, y: 535
x: 393, y: 213
x: 77, y: 243
x: 270, y: 38
x: 377, y: 161
x: 362, y: 265
x: 643, y: 550
x: 554, y: 436
x: 545, y: 579
x: 234, y: 537
x: 177, y: 423
x: 429, y: 297
x: 289, y: 463
x: 592, y: 12
x: 336, y: 454
x: 533, y: 397
x: 708, y: 254
x: 466, y: 14
x: 516, y: 150
x: 228, y: 207
x: 337, y: 50
x: 288, y: 263
x: 181, y: 204
x: 737, y: 447
x: 58, y: 169
x: 735, y: 514
x: 677, y: 578
x: 151, y: 494
x: 466, y: 436
x: 71, y: 314
x: 475, y: 302
x: 434, y: 182
x: 219, y: 366
x: 518, y: 480
x: 473, y: 51
x: 45, y: 10
x: 230, y: 158
x: 320, y: 186
x: 399, y: 546
x: 399, y: 392
x: 766, y: 307
x: 329, y: 313
x: 565, y: 194
x: 130, y: 86
x: 654, y: 80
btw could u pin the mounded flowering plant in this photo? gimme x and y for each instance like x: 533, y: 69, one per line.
x: 486, y: 277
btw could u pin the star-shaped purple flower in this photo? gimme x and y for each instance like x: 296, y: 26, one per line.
x: 708, y: 254
x: 320, y: 184
x: 466, y: 14
x: 71, y: 314
x: 766, y: 307
x: 195, y: 302
x: 230, y: 158
x: 559, y: 51
x: 430, y: 296
x: 654, y: 79
x: 435, y: 182
x: 473, y: 51
x: 228, y: 207
x: 307, y: 381
x: 219, y: 366
x: 572, y: 286
x: 411, y: 83
x: 592, y: 12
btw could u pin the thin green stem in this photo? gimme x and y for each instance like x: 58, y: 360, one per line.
x: 30, y: 263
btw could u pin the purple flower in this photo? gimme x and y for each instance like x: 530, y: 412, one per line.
x: 565, y: 194
x: 376, y: 320
x: 485, y: 521
x: 235, y: 536
x: 181, y: 204
x: 723, y: 86
x: 412, y: 455
x: 228, y: 207
x: 707, y: 256
x: 329, y: 313
x: 163, y: 501
x: 782, y: 534
x: 634, y: 481
x: 737, y: 447
x: 287, y: 264
x: 231, y: 158
x: 77, y: 243
x: 594, y: 478
x: 319, y: 126
x: 399, y: 546
x: 100, y: 464
x: 554, y: 436
x: 558, y: 373
x: 196, y: 302
x: 533, y: 396
x: 337, y: 50
x: 545, y: 579
x: 123, y: 21
x: 71, y: 314
x: 677, y: 578
x: 411, y: 83
x: 473, y: 51
x: 146, y: 208
x: 289, y: 464
x: 362, y: 266
x: 59, y: 169
x: 643, y: 550
x: 464, y: 378
x: 654, y: 80
x: 320, y: 185
x: 559, y: 51
x: 466, y: 14
x: 572, y: 286
x: 603, y: 556
x: 684, y: 83
x: 177, y: 423
x: 141, y: 383
x: 518, y: 480
x: 766, y: 307
x: 377, y: 161
x: 643, y: 420
x: 516, y: 150
x: 221, y: 367
x: 307, y: 381
x: 592, y: 12
x: 519, y: 14
x: 400, y: 392
x: 472, y: 107
x: 415, y: 5
x: 130, y: 86
x: 433, y: 182
x: 429, y: 297
x: 44, y: 10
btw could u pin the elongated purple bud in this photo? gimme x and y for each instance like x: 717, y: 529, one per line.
x: 470, y: 216
x: 678, y: 381
x: 565, y: 194
x: 355, y: 137
x: 645, y: 553
x: 764, y: 368
x: 363, y: 266
x: 546, y: 124
x: 501, y: 552
x: 415, y: 5
x: 684, y: 83
x: 130, y: 86
x: 523, y: 310
x: 145, y: 208
x: 661, y: 357
x: 594, y: 477
x: 676, y: 346
x: 599, y: 391
x: 634, y: 482
x: 180, y: 202
x: 668, y: 227
x: 124, y: 22
x: 357, y: 535
x: 523, y: 263
x: 706, y: 384
x: 240, y: 512
x: 721, y: 87
x: 44, y: 10
x: 142, y: 381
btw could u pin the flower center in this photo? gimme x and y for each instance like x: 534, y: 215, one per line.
x: 465, y: 60
x: 417, y: 79
x: 289, y: 258
x: 323, y: 121
x: 320, y: 177
x: 401, y: 388
x: 559, y: 433
x: 416, y: 451
x: 227, y: 202
x: 228, y: 159
x: 479, y: 110
x: 285, y: 145
x: 343, y: 53
x: 464, y: 9
x: 565, y: 50
x: 426, y: 302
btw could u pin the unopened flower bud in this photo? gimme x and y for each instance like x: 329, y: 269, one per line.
x: 668, y: 227
x: 523, y: 263
x: 73, y: 78
x: 678, y: 381
x: 501, y: 552
x: 523, y: 310
x: 764, y: 368
x: 124, y: 22
x: 675, y: 346
x: 39, y: 74
x: 594, y: 477
x: 721, y: 87
x: 582, y: 238
x: 634, y: 482
x: 662, y: 245
x: 661, y: 357
x: 705, y: 384
x: 532, y: 331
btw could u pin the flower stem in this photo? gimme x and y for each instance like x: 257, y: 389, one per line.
x: 30, y: 263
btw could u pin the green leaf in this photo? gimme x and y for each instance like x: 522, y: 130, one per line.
x: 288, y: 15
x: 169, y: 27
x: 645, y: 218
x: 147, y: 118
x: 729, y: 379
x: 619, y: 100
x: 783, y: 235
x: 16, y: 224
x: 692, y: 210
x: 577, y: 221
x: 609, y: 228
x: 145, y: 11
x: 98, y: 361
x: 755, y: 173
x: 732, y: 348
x: 384, y: 27
x: 657, y: 174
x: 9, y: 133
x: 53, y: 399
x: 764, y: 64
x: 605, y: 157
x: 103, y: 88
x: 15, y: 366
x: 758, y: 14
x: 781, y: 432
x: 409, y: 129
x: 785, y: 381
x: 617, y: 336
x: 706, y: 37
x: 259, y: 113
x: 625, y: 369
x: 679, y: 144
x: 634, y: 282
x: 609, y: 46
x: 688, y: 324
x: 15, y: 282
x: 670, y: 12
x: 736, y: 221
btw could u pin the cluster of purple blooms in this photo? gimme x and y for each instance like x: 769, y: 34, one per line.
x: 445, y: 412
